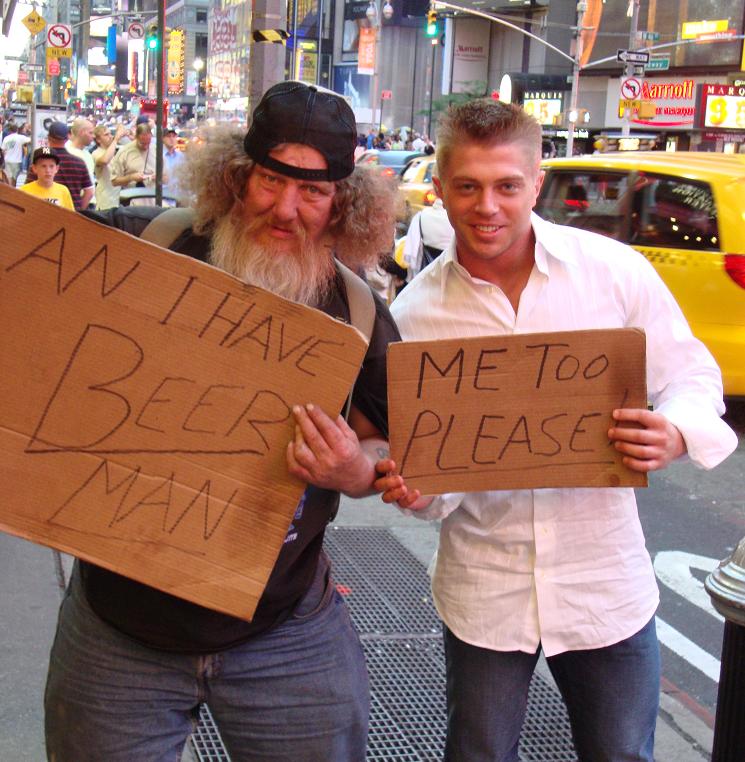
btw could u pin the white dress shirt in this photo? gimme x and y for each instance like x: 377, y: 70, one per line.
x: 566, y: 568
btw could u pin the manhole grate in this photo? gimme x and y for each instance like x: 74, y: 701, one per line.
x: 384, y: 585
x: 206, y: 741
x: 387, y: 590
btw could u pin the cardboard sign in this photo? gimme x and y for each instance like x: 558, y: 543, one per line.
x: 513, y: 412
x: 146, y: 405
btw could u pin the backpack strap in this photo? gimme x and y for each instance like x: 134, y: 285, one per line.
x: 164, y: 229
x: 360, y: 301
x: 361, y: 311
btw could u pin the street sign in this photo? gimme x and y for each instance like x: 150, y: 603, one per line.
x: 633, y: 56
x: 136, y: 30
x: 33, y: 22
x: 59, y: 53
x: 53, y: 68
x: 386, y: 95
x: 33, y: 67
x: 658, y: 63
x: 624, y: 104
x: 59, y: 36
x: 654, y: 36
x: 630, y: 88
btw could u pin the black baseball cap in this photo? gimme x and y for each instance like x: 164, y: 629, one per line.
x: 44, y: 153
x: 58, y: 130
x: 293, y: 112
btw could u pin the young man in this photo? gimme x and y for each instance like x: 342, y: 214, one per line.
x: 46, y: 165
x: 107, y: 196
x: 172, y: 159
x: 72, y: 171
x: 563, y: 570
x: 131, y: 665
x: 14, y: 146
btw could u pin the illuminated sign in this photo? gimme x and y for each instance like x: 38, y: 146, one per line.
x: 175, y: 60
x: 723, y: 106
x: 544, y: 106
x: 691, y: 30
x: 653, y: 90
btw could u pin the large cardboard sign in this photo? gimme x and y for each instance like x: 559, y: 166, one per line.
x: 146, y: 405
x: 513, y: 412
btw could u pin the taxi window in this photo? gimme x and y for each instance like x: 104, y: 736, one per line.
x: 588, y: 200
x: 428, y: 172
x: 673, y: 213
x: 409, y: 176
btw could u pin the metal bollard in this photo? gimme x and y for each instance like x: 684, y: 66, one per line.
x: 726, y: 587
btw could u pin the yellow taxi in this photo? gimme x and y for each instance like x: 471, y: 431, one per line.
x: 415, y: 187
x: 685, y: 212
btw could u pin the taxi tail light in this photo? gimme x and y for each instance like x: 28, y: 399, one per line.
x: 388, y: 172
x: 734, y: 265
x: 429, y: 198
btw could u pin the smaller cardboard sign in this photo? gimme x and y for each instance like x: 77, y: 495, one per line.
x: 514, y: 412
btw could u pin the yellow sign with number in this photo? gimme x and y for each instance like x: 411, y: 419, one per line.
x: 33, y: 22
x: 726, y: 111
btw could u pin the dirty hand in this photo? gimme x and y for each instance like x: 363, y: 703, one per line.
x: 327, y: 453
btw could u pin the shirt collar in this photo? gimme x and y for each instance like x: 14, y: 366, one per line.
x: 550, y: 241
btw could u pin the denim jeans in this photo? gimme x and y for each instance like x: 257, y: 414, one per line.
x: 297, y: 692
x: 611, y: 694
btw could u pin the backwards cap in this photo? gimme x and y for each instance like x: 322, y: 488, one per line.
x: 293, y: 112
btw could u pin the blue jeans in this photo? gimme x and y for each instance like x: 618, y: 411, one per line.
x: 297, y: 692
x: 612, y: 696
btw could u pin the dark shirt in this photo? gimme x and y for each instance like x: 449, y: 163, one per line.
x: 163, y: 621
x: 72, y: 172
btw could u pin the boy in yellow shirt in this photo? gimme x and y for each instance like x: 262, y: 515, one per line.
x: 46, y: 163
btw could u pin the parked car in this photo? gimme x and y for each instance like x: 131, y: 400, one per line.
x: 684, y: 212
x: 142, y: 197
x: 416, y: 188
x: 390, y: 162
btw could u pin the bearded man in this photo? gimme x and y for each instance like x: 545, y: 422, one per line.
x: 131, y: 665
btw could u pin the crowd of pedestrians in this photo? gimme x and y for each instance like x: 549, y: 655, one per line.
x: 93, y: 161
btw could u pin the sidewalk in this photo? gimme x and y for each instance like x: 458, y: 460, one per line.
x: 380, y: 557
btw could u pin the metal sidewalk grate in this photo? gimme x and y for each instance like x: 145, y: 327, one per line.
x: 205, y: 741
x: 387, y: 590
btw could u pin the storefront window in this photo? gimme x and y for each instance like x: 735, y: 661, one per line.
x: 668, y: 19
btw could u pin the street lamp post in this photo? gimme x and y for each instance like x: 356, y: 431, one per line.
x: 574, y: 96
x: 431, y: 88
x: 197, y: 65
x: 633, y: 14
x: 374, y: 17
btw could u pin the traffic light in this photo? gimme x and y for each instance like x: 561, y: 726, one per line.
x: 431, y: 29
x: 151, y: 40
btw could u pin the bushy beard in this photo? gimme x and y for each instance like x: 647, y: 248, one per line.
x: 304, y: 275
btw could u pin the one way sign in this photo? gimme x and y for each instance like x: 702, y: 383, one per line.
x: 633, y: 56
